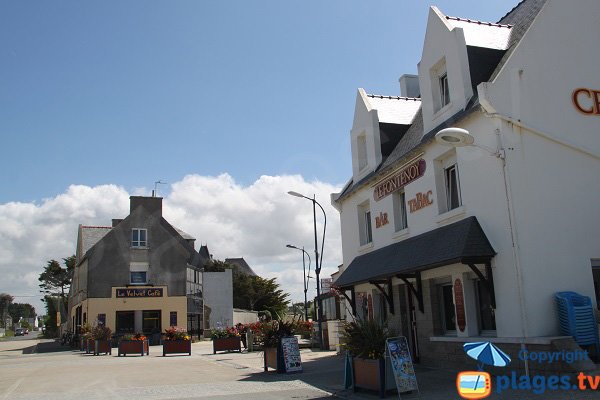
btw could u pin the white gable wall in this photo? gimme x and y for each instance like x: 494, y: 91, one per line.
x: 366, y: 122
x: 443, y: 42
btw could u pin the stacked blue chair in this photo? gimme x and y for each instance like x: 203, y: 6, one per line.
x: 577, y: 319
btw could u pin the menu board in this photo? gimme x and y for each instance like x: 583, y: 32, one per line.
x: 402, y: 366
x: 291, y: 354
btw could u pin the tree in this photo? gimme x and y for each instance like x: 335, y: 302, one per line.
x: 253, y: 292
x: 21, y: 310
x: 5, y: 301
x: 56, y: 279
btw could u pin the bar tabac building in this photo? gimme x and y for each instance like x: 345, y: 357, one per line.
x: 139, y: 275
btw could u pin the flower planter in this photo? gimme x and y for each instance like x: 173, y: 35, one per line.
x: 369, y: 374
x: 133, y: 347
x: 177, y: 346
x: 89, y: 346
x: 227, y: 344
x: 102, y: 346
x: 270, y: 357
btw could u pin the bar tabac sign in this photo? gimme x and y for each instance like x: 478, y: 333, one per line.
x: 140, y: 292
x: 406, y: 175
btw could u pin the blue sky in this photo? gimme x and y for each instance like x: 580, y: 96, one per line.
x: 233, y: 103
x: 126, y: 93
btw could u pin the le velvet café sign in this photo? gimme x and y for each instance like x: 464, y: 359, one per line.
x: 140, y: 292
x: 406, y: 175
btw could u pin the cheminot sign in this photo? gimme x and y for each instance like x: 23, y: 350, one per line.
x: 406, y: 175
x: 587, y: 101
x: 140, y: 292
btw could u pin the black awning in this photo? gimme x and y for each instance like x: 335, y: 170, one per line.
x: 460, y: 242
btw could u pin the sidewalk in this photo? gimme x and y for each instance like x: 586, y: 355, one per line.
x: 325, y: 370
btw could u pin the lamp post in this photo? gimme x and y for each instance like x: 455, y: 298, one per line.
x: 303, y: 276
x: 318, y: 262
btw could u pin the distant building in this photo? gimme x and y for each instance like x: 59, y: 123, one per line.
x: 139, y: 275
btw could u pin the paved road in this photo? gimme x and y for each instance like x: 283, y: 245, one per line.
x: 55, y: 372
x: 33, y: 335
x: 68, y: 374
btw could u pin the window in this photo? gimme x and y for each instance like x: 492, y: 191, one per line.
x: 452, y: 188
x: 364, y: 224
x: 444, y: 92
x: 138, y: 273
x: 368, y: 233
x: 487, y: 319
x: 173, y: 318
x: 400, y: 221
x: 448, y: 316
x: 194, y: 283
x: 139, y: 237
x: 361, y: 150
x: 151, y: 321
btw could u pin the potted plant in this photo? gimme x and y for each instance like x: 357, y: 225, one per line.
x: 101, y: 335
x: 271, y: 333
x: 133, y: 344
x: 366, y: 340
x: 227, y: 339
x: 176, y: 340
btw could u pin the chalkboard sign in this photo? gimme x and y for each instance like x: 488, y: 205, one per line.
x: 291, y: 354
x: 402, y: 366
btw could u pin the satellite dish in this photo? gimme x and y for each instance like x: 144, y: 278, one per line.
x: 455, y: 137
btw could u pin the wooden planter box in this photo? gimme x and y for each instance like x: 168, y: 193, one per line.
x: 177, y: 346
x: 133, y: 347
x: 89, y: 346
x: 369, y: 374
x: 102, y: 346
x: 83, y: 344
x: 270, y: 357
x: 227, y: 344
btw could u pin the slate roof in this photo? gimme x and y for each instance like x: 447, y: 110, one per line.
x: 461, y: 242
x: 88, y: 236
x: 394, y: 109
x: 184, y: 235
x: 242, y: 265
x: 483, y: 34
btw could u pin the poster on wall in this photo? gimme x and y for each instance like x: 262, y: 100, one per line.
x: 402, y: 365
x: 291, y: 354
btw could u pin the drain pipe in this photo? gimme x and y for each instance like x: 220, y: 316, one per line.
x: 490, y: 112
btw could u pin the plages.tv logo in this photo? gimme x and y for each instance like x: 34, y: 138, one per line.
x: 478, y: 384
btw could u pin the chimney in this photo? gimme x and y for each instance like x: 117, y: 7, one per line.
x: 151, y: 204
x: 409, y: 86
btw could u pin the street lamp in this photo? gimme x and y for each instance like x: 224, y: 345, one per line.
x: 303, y: 276
x: 318, y: 262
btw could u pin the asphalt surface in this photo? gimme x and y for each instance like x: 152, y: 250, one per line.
x: 42, y: 369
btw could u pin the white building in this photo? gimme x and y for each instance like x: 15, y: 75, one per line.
x: 451, y: 244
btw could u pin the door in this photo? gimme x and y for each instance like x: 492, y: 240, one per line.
x: 412, y: 323
x: 151, y: 322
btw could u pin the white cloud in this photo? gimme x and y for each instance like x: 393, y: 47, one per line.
x: 255, y: 222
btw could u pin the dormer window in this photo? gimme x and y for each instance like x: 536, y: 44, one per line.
x: 361, y: 147
x: 444, y: 93
x: 439, y: 85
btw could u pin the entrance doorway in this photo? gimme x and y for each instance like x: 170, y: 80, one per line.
x: 151, y: 322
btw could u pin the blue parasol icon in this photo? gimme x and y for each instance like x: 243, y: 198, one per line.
x: 486, y: 354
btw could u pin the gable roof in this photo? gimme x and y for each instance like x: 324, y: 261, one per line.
x: 394, y: 109
x: 242, y: 265
x: 88, y: 236
x: 482, y: 34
